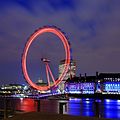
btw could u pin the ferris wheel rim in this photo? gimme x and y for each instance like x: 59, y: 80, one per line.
x: 37, y: 33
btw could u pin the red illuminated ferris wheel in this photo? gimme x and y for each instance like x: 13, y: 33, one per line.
x: 55, y: 82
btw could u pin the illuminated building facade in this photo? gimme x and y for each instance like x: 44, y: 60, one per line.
x: 70, y: 74
x: 88, y: 84
x: 71, y: 71
x: 73, y: 85
x: 82, y: 85
x: 12, y: 89
x: 103, y: 83
x: 110, y: 83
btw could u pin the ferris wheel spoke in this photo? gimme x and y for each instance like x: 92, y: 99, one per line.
x: 51, y: 73
x: 48, y: 79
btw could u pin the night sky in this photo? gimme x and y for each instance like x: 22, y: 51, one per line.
x: 93, y: 28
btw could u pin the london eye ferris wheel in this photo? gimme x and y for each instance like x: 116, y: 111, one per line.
x: 49, y: 73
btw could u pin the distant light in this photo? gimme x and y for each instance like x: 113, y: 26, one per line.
x: 118, y: 101
x: 97, y: 100
x: 107, y: 100
x: 87, y: 98
x: 77, y: 99
x: 74, y: 99
x: 87, y: 102
x: 21, y: 99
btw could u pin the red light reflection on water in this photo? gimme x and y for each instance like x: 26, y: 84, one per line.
x: 30, y: 105
x: 26, y: 105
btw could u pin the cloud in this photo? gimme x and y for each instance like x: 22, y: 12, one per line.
x: 93, y: 29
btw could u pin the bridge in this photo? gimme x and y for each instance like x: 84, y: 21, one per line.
x: 57, y: 96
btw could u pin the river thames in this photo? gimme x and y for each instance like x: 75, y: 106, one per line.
x: 106, y: 108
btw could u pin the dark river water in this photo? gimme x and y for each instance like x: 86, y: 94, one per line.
x: 106, y: 108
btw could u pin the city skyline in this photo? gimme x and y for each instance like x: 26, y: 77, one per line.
x: 93, y: 29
